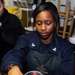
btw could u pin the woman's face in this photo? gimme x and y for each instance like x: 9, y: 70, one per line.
x: 1, y: 8
x: 45, y: 24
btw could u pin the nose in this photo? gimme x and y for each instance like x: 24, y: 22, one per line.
x: 43, y: 27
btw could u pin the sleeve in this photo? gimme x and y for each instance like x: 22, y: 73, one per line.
x: 18, y: 28
x: 67, y: 60
x: 16, y: 56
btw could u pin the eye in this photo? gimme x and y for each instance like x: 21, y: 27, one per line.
x: 38, y: 22
x: 48, y: 22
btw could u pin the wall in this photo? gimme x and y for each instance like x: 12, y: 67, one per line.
x: 72, y: 4
x: 9, y: 3
x: 72, y: 7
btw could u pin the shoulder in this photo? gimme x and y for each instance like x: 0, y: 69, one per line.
x: 66, y: 48
x: 12, y: 16
x: 63, y: 44
x: 14, y: 20
x: 8, y: 14
x: 30, y: 36
x: 61, y: 40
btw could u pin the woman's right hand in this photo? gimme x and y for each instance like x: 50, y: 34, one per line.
x: 15, y: 71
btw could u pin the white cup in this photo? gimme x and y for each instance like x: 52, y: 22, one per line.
x: 33, y: 73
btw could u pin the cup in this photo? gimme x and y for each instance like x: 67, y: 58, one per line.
x: 33, y: 73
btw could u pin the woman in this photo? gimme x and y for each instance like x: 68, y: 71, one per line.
x: 42, y: 50
x: 10, y: 29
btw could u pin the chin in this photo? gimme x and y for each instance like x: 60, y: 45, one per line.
x: 44, y: 38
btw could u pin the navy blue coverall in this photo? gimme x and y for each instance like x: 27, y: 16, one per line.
x: 30, y: 49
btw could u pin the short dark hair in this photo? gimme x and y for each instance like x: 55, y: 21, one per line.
x: 2, y: 1
x: 49, y: 6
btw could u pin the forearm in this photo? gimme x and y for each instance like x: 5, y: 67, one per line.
x: 15, y: 71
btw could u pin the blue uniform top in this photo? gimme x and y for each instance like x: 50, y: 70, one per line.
x: 32, y: 41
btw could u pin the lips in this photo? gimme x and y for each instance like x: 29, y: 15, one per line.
x: 43, y: 34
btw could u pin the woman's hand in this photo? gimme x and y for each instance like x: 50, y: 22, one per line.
x: 15, y: 71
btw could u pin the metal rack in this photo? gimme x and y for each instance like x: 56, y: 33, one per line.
x: 25, y: 5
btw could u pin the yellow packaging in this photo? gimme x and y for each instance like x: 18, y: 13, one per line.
x: 12, y: 10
